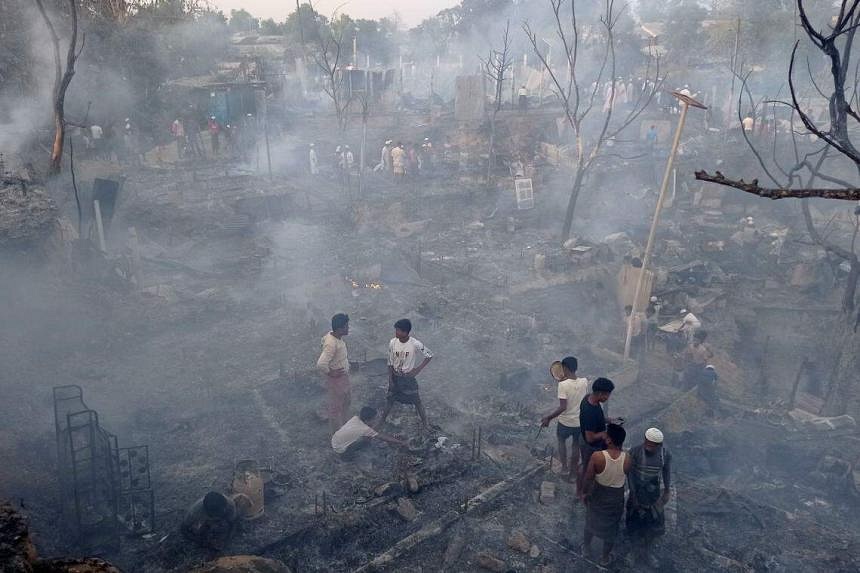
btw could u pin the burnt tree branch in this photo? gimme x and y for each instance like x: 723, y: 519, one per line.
x: 852, y: 194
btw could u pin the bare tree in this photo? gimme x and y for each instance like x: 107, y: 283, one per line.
x: 496, y: 67
x: 328, y: 58
x: 62, y: 79
x: 788, y: 180
x: 364, y: 104
x: 836, y: 45
x: 797, y: 176
x: 578, y: 99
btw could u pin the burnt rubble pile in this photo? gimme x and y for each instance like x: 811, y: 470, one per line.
x: 28, y: 215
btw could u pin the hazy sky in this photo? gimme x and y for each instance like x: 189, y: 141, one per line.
x: 411, y: 11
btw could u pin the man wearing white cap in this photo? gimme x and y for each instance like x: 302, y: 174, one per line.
x: 649, y: 481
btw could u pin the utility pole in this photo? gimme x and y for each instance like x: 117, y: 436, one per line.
x: 686, y: 102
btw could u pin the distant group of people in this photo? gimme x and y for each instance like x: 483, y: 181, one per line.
x: 407, y: 358
x: 688, y: 344
x: 401, y: 160
x: 211, y: 520
x: 107, y: 143
x: 238, y: 139
x: 405, y: 160
x: 342, y: 162
x: 602, y: 468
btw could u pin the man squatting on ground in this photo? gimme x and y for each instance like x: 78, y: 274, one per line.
x: 357, y: 434
x: 403, y: 368
x: 571, y: 391
x: 334, y: 365
x: 211, y: 520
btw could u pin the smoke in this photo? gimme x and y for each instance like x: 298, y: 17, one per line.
x: 27, y: 106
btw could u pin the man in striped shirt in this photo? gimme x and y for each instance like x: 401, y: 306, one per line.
x: 649, y: 483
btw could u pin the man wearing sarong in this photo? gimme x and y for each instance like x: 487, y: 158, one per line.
x: 333, y: 363
x: 649, y: 483
x: 404, y: 352
x: 603, y: 491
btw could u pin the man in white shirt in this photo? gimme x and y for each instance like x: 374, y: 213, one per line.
x: 313, y: 161
x: 333, y: 363
x: 571, y: 391
x: 403, y: 367
x: 384, y: 158
x: 357, y: 433
x: 349, y: 158
x: 690, y: 323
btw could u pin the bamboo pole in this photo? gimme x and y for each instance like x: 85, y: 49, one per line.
x: 100, y: 226
x: 686, y: 102
x: 793, y: 399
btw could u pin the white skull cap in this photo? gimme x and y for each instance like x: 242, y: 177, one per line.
x: 654, y: 435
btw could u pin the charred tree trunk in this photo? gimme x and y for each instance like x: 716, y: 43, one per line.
x: 491, y: 159
x: 851, y: 285
x: 571, y: 203
x: 62, y: 80
x: 843, y: 396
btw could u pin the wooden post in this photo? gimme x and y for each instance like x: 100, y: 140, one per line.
x: 794, y: 388
x: 686, y: 102
x: 268, y: 151
x: 134, y: 246
x: 99, y: 226
x: 434, y: 528
x: 763, y: 365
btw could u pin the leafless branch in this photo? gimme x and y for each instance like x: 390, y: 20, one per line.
x: 851, y: 194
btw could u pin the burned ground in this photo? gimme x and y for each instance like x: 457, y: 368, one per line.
x: 208, y: 360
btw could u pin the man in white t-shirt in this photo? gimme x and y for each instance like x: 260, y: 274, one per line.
x: 357, y: 432
x: 571, y: 391
x: 690, y: 323
x: 404, y: 353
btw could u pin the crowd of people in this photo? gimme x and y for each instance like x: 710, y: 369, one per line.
x: 407, y: 358
x: 126, y: 144
x: 236, y: 139
x: 400, y: 160
x: 590, y: 444
x: 602, y: 469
